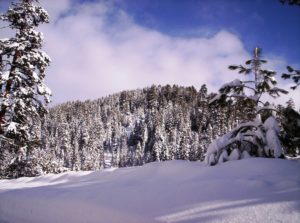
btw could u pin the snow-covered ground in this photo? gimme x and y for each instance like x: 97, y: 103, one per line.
x: 250, y: 190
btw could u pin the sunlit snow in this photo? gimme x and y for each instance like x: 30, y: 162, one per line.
x: 249, y: 190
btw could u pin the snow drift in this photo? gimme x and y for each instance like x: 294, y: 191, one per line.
x: 248, y: 190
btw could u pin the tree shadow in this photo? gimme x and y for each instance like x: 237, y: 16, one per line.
x: 226, y: 209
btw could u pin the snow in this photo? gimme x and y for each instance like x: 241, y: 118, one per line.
x: 43, y: 89
x: 35, y: 77
x: 211, y: 159
x: 273, y: 142
x: 13, y: 45
x: 254, y: 97
x: 24, y: 91
x: 223, y: 157
x: 216, y: 145
x: 107, y: 160
x: 234, y: 155
x: 129, y: 130
x: 216, y: 98
x: 249, y: 190
x: 271, y: 123
x: 5, y: 76
x: 266, y: 107
x: 245, y: 155
x: 234, y: 83
x: 12, y: 127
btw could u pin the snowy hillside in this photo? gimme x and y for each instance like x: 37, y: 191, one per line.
x: 250, y: 190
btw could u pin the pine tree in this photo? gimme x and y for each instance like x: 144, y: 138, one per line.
x: 294, y: 75
x: 22, y: 73
x: 290, y: 104
x: 256, y: 137
x: 291, y: 135
x: 291, y: 2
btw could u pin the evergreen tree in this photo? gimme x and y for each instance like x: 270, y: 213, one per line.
x: 290, y: 137
x: 22, y: 73
x: 294, y: 75
x: 255, y: 137
x: 290, y: 103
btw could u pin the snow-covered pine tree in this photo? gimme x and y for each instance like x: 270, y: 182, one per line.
x: 22, y: 73
x: 255, y: 138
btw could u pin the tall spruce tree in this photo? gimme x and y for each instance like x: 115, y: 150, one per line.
x: 23, y: 94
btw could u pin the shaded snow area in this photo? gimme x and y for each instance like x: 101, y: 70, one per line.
x: 249, y: 190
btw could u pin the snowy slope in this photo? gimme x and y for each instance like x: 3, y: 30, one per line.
x: 250, y: 190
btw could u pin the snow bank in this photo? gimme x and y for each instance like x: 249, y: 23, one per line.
x: 273, y: 142
x: 249, y: 190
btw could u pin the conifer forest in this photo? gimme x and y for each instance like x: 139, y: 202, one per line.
x: 135, y: 127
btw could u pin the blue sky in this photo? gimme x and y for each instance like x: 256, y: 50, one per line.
x: 265, y: 23
x: 100, y: 47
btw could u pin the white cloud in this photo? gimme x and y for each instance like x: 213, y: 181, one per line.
x: 98, y: 50
x: 56, y: 8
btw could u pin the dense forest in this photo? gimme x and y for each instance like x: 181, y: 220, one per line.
x: 132, y: 128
